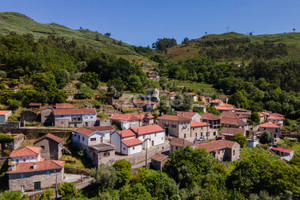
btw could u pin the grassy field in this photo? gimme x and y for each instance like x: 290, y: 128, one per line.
x: 21, y: 24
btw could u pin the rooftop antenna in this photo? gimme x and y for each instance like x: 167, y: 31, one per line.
x: 227, y: 28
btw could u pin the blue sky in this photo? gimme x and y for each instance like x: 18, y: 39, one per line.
x: 141, y: 22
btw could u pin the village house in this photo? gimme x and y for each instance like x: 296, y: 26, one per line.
x: 216, y: 102
x: 29, y: 176
x: 202, y: 130
x: 34, y: 105
x: 4, y: 114
x: 29, y: 171
x: 158, y: 161
x: 271, y: 127
x: 153, y: 77
x: 199, y: 107
x: 223, y: 98
x: 135, y: 139
x: 230, y: 119
x: 229, y: 132
x: 211, y: 119
x: 263, y: 116
x: 193, y: 95
x: 244, y: 116
x: 284, y: 154
x: 194, y: 116
x: 146, y: 105
x: 222, y: 150
x: 126, y: 121
x: 101, y: 153
x: 178, y: 143
x: 69, y: 117
x: 88, y: 136
x: 51, y: 146
x: 275, y: 117
x: 175, y: 126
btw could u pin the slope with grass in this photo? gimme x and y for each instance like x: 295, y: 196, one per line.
x: 21, y: 24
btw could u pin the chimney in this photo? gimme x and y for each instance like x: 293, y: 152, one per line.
x: 13, y: 168
x: 34, y: 165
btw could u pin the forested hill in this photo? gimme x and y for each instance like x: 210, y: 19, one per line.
x: 239, y: 47
x: 21, y: 24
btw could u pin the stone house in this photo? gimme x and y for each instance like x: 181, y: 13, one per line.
x: 194, y: 116
x: 158, y: 161
x: 222, y: 150
x: 146, y: 105
x: 4, y: 114
x: 216, y: 102
x: 33, y: 105
x: 272, y: 127
x: 29, y: 116
x: 47, y: 117
x: 101, y: 153
x: 89, y: 136
x: 29, y: 176
x: 212, y: 119
x: 223, y: 98
x: 229, y: 132
x: 202, y: 130
x: 176, y: 126
x: 275, y: 117
x: 178, y: 143
x: 126, y: 121
x: 51, y: 146
x: 230, y: 119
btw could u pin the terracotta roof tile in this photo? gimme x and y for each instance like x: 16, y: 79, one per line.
x: 198, y: 124
x: 281, y: 149
x: 146, y: 102
x: 210, y: 116
x: 25, y: 151
x: 215, y: 145
x: 268, y: 124
x: 223, y: 108
x: 231, y: 119
x: 217, y: 101
x: 129, y: 117
x: 160, y: 157
x: 4, y: 112
x: 189, y: 115
x: 51, y: 136
x: 179, y: 142
x: 173, y: 118
x: 90, y: 130
x: 227, y: 105
x: 126, y: 133
x: 222, y: 97
x: 142, y: 130
x: 40, y: 166
x: 74, y: 111
x: 35, y: 104
x: 132, y: 142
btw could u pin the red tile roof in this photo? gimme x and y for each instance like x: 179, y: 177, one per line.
x: 275, y: 117
x: 160, y: 157
x: 74, y: 111
x: 25, y: 151
x: 35, y: 104
x: 132, y: 142
x: 173, y: 94
x: 227, y: 105
x: 268, y: 124
x: 142, y: 130
x: 146, y: 102
x: 64, y: 105
x: 231, y: 119
x: 281, y: 149
x: 210, y: 116
x: 179, y: 142
x: 223, y: 97
x: 129, y: 117
x: 192, y: 94
x: 189, y: 115
x: 198, y: 124
x: 232, y: 131
x: 152, y: 75
x: 4, y: 112
x: 173, y: 118
x: 90, y: 130
x: 223, y: 108
x: 40, y: 166
x: 51, y: 136
x: 217, y: 101
x: 126, y: 133
x: 215, y: 145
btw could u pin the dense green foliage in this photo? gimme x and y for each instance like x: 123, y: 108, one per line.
x: 123, y: 172
x: 240, y: 138
x: 67, y: 191
x: 265, y: 137
x: 12, y: 195
x: 46, y: 195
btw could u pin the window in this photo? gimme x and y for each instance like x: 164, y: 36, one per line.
x: 215, y: 133
x: 93, y: 139
x: 21, y: 176
x: 106, y: 154
x: 82, y: 138
x: 133, y: 148
x: 233, y: 152
x: 155, y: 134
x: 201, y: 134
x: 162, y: 138
x: 195, y: 134
x: 48, y: 173
x: 43, y: 147
x: 184, y: 136
x: 124, y: 148
x: 24, y: 159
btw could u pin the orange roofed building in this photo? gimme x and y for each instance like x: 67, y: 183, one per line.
x: 126, y: 121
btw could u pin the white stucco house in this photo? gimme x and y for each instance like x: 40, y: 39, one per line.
x: 89, y: 136
x: 26, y: 154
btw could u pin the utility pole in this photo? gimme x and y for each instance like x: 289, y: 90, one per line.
x: 146, y: 152
x: 55, y: 185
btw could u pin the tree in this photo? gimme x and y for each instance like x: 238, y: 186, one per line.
x: 182, y: 102
x: 90, y: 79
x: 44, y: 82
x: 5, y: 138
x: 265, y: 137
x: 107, y: 34
x: 117, y: 83
x: 137, y: 191
x: 113, y: 92
x: 67, y: 191
x: 123, y: 172
x: 255, y: 117
x: 164, y: 107
x: 240, y: 138
x: 134, y: 83
x: 46, y: 195
x: 213, y: 110
x: 105, y: 177
x: 8, y: 194
x: 239, y: 100
x: 186, y: 41
x: 84, y: 92
x: 163, y: 44
x: 3, y: 74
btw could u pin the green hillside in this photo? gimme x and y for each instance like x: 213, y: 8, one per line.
x: 198, y: 47
x: 21, y: 24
